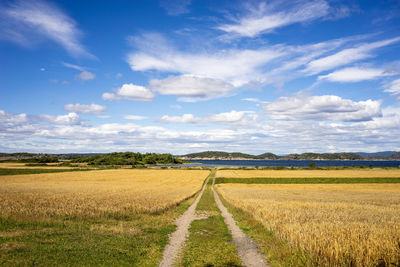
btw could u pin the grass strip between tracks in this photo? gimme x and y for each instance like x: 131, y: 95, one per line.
x: 210, y: 242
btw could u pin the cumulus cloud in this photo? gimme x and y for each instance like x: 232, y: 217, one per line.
x: 346, y: 56
x: 185, y: 118
x: 69, y: 119
x: 224, y: 117
x: 380, y: 133
x: 24, y: 19
x: 130, y: 91
x: 85, y: 76
x: 266, y: 18
x: 10, y: 118
x: 135, y: 117
x: 85, y: 109
x: 191, y: 88
x: 355, y: 74
x: 325, y: 107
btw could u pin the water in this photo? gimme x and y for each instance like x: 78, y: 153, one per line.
x: 291, y: 163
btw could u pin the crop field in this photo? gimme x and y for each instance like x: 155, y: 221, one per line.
x: 18, y: 165
x: 346, y: 173
x: 95, y: 193
x: 90, y: 218
x: 337, y: 224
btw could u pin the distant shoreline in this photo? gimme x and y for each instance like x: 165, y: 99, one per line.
x: 366, y: 159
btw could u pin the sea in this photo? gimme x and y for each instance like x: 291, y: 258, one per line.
x: 291, y: 163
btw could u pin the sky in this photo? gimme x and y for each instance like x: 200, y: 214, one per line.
x: 195, y: 75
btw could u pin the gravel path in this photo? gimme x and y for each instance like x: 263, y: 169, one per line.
x: 177, y: 238
x: 247, y: 249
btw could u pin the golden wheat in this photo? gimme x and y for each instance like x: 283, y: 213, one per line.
x: 339, y: 225
x: 355, y: 173
x: 96, y: 193
x: 18, y: 165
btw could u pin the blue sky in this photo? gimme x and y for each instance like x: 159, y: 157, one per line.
x: 194, y: 75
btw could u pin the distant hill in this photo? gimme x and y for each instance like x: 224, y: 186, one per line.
x: 383, y: 154
x: 323, y: 156
x: 395, y: 155
x: 220, y: 155
x: 268, y: 156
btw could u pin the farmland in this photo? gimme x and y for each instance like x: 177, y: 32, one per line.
x: 329, y: 173
x: 335, y: 225
x: 125, y: 216
x: 107, y: 217
x: 96, y: 193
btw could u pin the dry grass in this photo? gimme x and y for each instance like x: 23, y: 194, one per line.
x: 354, y: 173
x: 18, y: 165
x: 96, y: 193
x: 353, y: 225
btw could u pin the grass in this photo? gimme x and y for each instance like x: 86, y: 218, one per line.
x: 336, y: 225
x: 305, y: 180
x: 130, y: 240
x: 210, y: 241
x: 6, y: 171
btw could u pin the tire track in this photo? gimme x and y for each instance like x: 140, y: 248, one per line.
x: 177, y: 238
x: 248, y: 251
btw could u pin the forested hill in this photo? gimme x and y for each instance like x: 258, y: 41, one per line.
x: 219, y: 155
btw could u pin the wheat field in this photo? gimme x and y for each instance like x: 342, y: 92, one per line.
x: 352, y: 173
x: 18, y: 165
x: 96, y: 193
x: 338, y: 225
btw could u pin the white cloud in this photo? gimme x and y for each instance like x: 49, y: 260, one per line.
x: 85, y: 76
x: 251, y: 99
x: 354, y: 74
x: 21, y: 133
x: 42, y: 69
x: 346, y: 56
x: 393, y: 87
x: 135, y: 117
x: 234, y: 66
x: 130, y: 91
x: 266, y: 64
x: 224, y: 117
x: 73, y: 66
x: 265, y: 20
x: 69, y: 119
x: 185, y: 118
x: 6, y: 117
x: 85, y: 109
x: 325, y: 107
x: 11, y: 119
x: 118, y: 75
x: 110, y: 96
x: 191, y: 88
x: 26, y: 18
